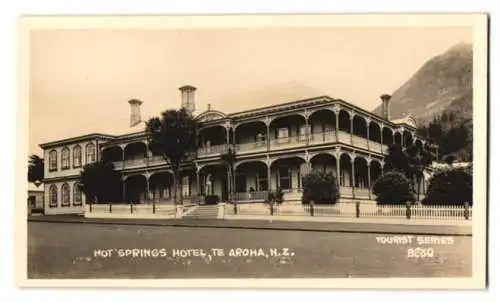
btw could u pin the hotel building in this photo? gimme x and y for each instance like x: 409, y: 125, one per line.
x: 274, y: 146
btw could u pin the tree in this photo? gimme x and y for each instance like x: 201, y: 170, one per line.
x: 449, y: 187
x: 418, y: 159
x: 410, y: 161
x: 230, y: 158
x: 35, y: 169
x: 320, y: 187
x: 173, y: 136
x: 397, y: 159
x: 393, y: 188
x: 100, y: 182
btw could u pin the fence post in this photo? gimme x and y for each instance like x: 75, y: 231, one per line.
x: 358, y: 212
x: 131, y: 209
x: 110, y: 208
x: 408, y: 210
x: 154, y: 207
x: 311, y: 208
x: 272, y: 208
x: 235, y: 208
x: 466, y: 211
x: 90, y: 206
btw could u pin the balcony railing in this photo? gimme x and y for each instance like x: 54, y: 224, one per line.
x: 278, y: 143
x: 251, y: 146
x: 322, y: 137
x: 344, y: 137
x: 135, y: 162
x: 260, y: 146
x: 212, y: 150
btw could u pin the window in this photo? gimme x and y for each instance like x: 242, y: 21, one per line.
x: 65, y: 158
x: 65, y: 194
x: 283, y: 135
x: 90, y: 153
x: 53, y: 160
x: 285, y: 176
x: 303, y: 132
x: 77, y: 156
x: 77, y: 194
x: 53, y: 196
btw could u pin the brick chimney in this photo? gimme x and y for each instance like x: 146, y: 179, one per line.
x: 385, y: 106
x: 135, y: 112
x: 187, y: 97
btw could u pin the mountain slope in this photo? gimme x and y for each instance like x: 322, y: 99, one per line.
x: 444, y: 83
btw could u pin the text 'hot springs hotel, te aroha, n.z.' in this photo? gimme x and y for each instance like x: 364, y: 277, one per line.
x: 274, y: 145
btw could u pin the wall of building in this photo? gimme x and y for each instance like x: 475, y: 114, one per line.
x: 59, y: 208
x: 72, y: 170
x: 37, y: 196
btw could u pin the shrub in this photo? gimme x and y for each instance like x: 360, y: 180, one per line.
x: 275, y: 197
x: 449, y: 187
x: 212, y: 199
x: 393, y: 188
x: 320, y: 187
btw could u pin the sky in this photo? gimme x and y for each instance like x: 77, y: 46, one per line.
x: 81, y: 80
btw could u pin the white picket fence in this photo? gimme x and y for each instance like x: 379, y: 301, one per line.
x: 353, y: 209
x: 130, y: 210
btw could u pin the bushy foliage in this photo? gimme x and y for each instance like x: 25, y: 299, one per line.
x: 450, y: 133
x: 173, y: 135
x: 320, y: 187
x: 212, y: 199
x: 393, y: 188
x: 35, y: 169
x: 100, y: 182
x: 449, y: 187
x: 275, y: 197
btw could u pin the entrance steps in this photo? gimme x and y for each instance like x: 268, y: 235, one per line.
x: 203, y: 212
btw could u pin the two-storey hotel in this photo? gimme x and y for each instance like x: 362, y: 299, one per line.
x: 274, y: 145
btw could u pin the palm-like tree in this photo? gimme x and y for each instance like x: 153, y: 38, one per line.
x: 35, y: 169
x: 229, y: 159
x: 173, y: 136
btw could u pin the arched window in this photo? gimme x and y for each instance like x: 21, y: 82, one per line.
x: 53, y: 195
x: 77, y: 194
x: 89, y: 153
x: 65, y: 158
x: 65, y: 194
x: 53, y: 160
x: 77, y: 156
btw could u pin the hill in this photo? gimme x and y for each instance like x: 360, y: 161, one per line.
x: 442, y: 85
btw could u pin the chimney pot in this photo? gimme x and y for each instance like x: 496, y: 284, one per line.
x: 187, y: 98
x: 385, y: 106
x: 135, y: 112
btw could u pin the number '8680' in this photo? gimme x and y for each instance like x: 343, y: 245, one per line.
x: 419, y: 252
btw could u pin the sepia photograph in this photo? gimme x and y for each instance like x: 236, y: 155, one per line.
x: 253, y: 151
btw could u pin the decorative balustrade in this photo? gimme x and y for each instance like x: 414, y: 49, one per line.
x: 260, y: 146
x: 374, y: 146
x: 135, y: 162
x: 322, y: 137
x: 344, y: 137
x: 251, y: 146
x: 212, y: 150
